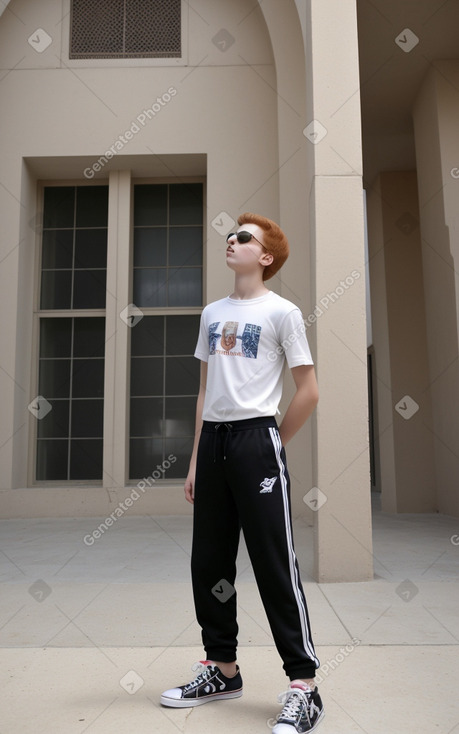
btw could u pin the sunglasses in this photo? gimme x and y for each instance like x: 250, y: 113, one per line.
x: 244, y: 237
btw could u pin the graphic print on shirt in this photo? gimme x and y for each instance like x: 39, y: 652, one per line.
x: 232, y: 343
x: 229, y: 335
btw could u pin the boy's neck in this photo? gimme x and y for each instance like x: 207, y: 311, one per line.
x: 247, y: 286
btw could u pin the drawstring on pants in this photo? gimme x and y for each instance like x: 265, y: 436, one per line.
x: 228, y: 427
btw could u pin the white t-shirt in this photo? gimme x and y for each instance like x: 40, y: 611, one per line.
x: 245, y: 343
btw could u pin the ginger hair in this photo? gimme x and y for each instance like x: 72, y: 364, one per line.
x: 274, y: 240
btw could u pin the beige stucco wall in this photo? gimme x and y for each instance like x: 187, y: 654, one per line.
x: 436, y: 119
x: 72, y: 110
x: 237, y: 118
x: 407, y: 476
x: 62, y: 115
x: 382, y: 390
x: 414, y: 249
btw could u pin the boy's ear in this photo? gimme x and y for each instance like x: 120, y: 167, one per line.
x: 266, y: 259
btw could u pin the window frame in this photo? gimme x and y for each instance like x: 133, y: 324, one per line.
x: 38, y: 314
x: 37, y: 223
x: 163, y: 310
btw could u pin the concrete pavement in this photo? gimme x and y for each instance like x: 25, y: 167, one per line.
x: 91, y: 634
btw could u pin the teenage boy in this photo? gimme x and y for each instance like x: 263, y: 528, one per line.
x: 238, y: 476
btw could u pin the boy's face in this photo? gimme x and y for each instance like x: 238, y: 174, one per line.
x: 249, y: 256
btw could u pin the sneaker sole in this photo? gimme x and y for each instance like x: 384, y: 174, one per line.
x: 319, y: 719
x: 188, y: 702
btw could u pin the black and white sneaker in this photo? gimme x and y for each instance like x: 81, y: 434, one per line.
x: 303, y: 709
x: 209, y: 685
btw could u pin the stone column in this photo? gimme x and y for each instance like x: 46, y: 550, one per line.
x: 341, y: 495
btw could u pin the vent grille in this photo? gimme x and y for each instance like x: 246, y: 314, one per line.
x: 112, y: 29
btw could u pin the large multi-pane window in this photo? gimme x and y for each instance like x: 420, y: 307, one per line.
x: 165, y: 283
x: 168, y: 246
x: 71, y: 348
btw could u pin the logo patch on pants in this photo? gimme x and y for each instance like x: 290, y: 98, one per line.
x: 267, y: 484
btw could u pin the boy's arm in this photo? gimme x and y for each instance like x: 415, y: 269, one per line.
x: 189, y: 483
x: 303, y: 402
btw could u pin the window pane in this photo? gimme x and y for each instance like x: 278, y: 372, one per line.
x: 168, y: 246
x: 55, y: 424
x: 147, y: 376
x: 52, y: 457
x: 83, y: 249
x: 56, y: 288
x: 89, y: 288
x: 55, y: 337
x: 92, y: 206
x: 185, y: 203
x: 181, y: 449
x: 89, y: 337
x: 57, y: 251
x: 185, y: 246
x: 145, y: 455
x: 86, y: 459
x: 91, y: 248
x: 184, y: 287
x: 150, y: 287
x: 171, y: 276
x: 147, y: 336
x: 58, y: 206
x: 181, y: 334
x: 180, y: 416
x: 146, y: 416
x: 54, y: 378
x: 87, y: 418
x: 150, y: 246
x: 150, y: 204
x: 57, y: 378
x: 88, y: 378
x: 182, y: 375
x: 182, y: 378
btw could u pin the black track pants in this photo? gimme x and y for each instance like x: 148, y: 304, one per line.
x: 242, y: 481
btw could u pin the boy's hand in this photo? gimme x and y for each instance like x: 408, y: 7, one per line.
x: 303, y: 402
x: 189, y: 486
x: 189, y: 482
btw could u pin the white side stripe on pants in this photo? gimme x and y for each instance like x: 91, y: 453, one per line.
x: 307, y: 642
